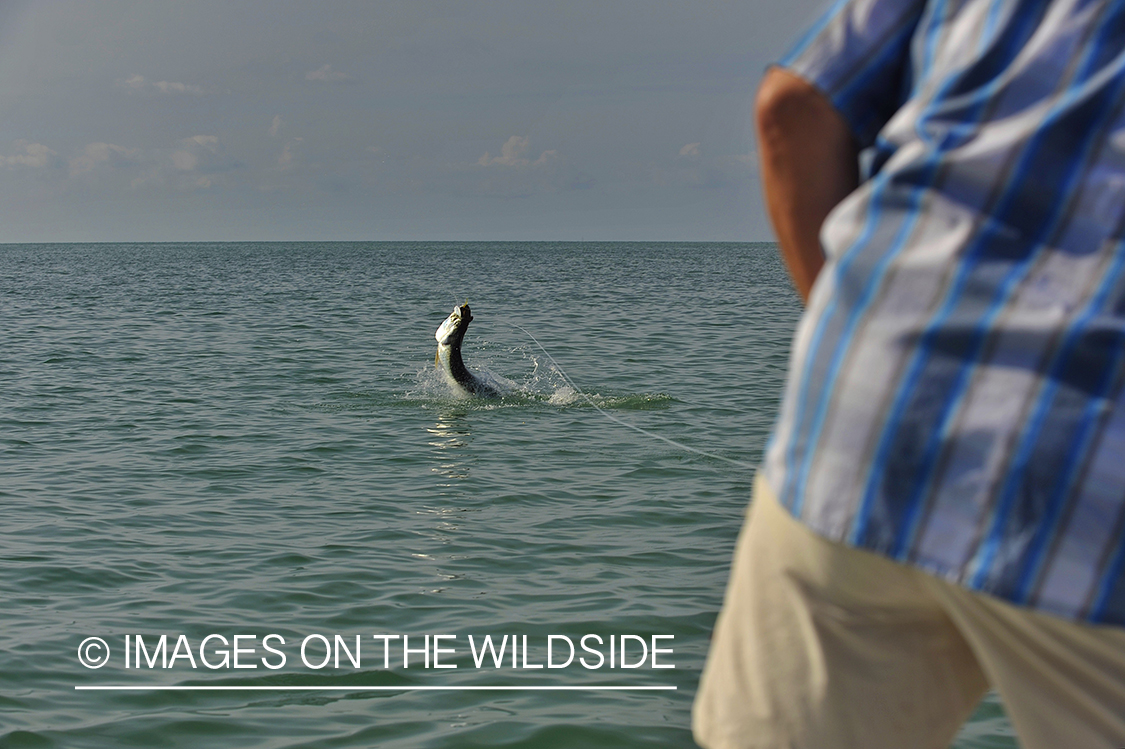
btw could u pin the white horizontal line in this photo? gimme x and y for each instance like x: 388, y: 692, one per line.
x: 178, y: 688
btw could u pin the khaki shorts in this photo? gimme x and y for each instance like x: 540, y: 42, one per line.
x: 820, y: 645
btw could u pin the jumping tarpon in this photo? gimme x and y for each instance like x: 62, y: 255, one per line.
x: 449, y: 337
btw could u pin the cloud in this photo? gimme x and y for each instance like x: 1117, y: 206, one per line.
x: 187, y: 164
x: 275, y: 128
x: 197, y: 162
x: 546, y: 158
x: 514, y: 174
x: 97, y: 154
x: 326, y: 73
x: 135, y: 82
x: 512, y: 154
x: 184, y: 160
x: 167, y: 87
x: 138, y: 83
x: 692, y: 169
x: 192, y: 163
x: 190, y: 151
x: 690, y: 151
x: 33, y: 156
x: 286, y: 157
x: 200, y: 153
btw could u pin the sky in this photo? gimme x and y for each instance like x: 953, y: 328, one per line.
x: 265, y: 120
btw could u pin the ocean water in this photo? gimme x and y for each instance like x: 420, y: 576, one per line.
x: 205, y: 442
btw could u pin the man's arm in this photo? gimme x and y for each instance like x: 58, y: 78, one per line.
x: 809, y: 164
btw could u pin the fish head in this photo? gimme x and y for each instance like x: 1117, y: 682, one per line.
x: 454, y: 325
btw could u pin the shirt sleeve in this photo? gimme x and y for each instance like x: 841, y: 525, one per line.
x: 858, y: 55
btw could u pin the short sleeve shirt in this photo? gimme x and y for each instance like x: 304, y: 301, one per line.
x: 956, y: 396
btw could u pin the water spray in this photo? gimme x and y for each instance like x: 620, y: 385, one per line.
x: 611, y: 417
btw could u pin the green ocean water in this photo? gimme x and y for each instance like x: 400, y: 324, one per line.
x: 240, y: 440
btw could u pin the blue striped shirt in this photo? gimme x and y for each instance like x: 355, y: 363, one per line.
x: 956, y: 397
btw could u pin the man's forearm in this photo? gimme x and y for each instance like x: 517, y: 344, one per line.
x: 809, y: 164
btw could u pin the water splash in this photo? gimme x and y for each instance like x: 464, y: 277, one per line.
x: 579, y: 392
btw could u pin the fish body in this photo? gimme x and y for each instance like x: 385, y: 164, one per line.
x: 449, y: 337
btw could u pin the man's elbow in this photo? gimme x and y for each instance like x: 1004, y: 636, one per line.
x: 787, y: 103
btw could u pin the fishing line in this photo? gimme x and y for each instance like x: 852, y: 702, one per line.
x: 616, y: 420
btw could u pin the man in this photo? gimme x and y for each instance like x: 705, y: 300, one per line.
x: 942, y: 506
